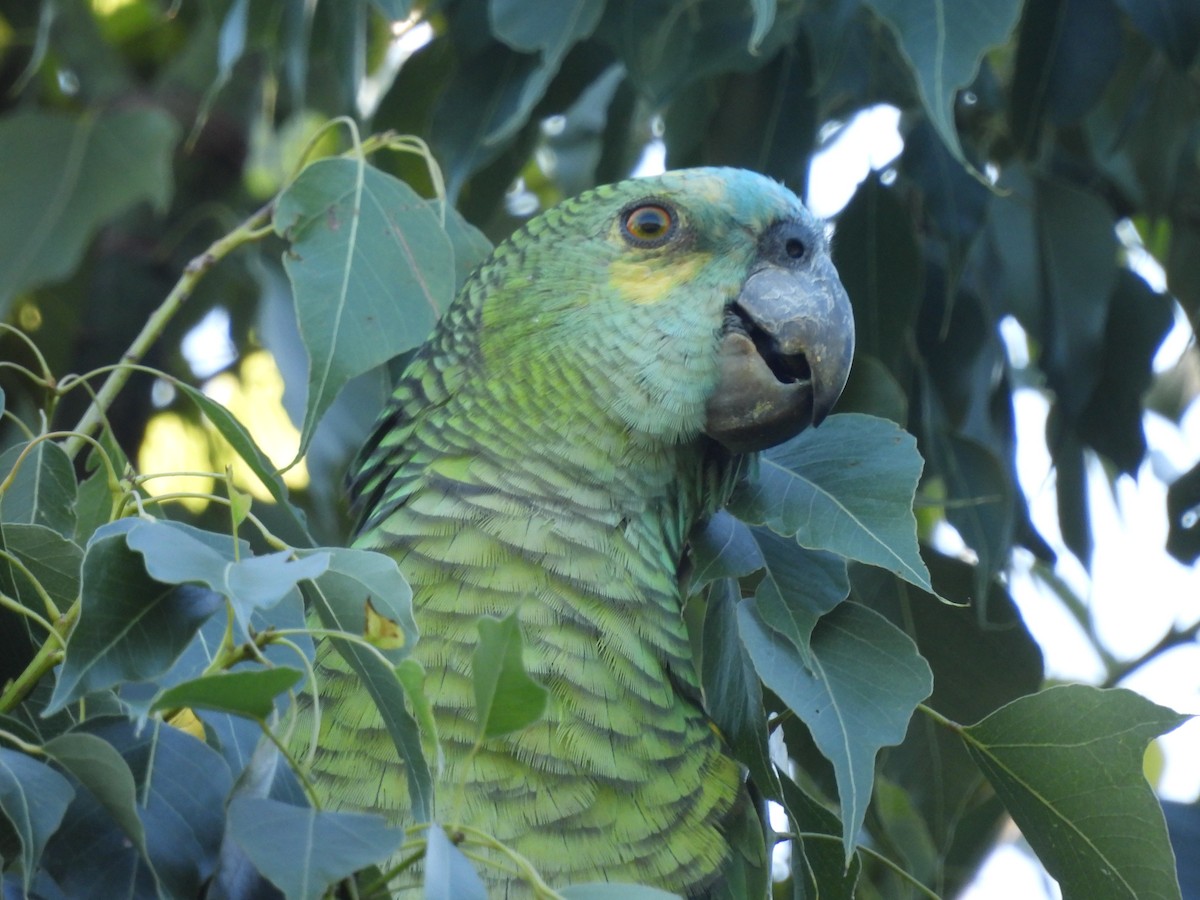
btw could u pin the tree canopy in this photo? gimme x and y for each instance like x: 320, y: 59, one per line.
x: 168, y: 513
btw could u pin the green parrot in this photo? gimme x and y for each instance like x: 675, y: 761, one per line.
x: 588, y: 398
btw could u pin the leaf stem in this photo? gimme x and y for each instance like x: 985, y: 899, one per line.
x: 1176, y: 637
x: 249, y: 230
x: 48, y: 656
x: 945, y: 722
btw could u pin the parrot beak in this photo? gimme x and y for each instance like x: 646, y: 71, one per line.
x: 785, y: 355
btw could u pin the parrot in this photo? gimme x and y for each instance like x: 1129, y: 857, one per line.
x: 590, y: 396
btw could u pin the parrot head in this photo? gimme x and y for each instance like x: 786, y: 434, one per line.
x: 719, y: 310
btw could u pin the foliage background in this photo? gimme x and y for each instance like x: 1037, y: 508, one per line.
x: 1044, y: 144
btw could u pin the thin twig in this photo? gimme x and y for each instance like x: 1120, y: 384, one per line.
x: 1176, y: 637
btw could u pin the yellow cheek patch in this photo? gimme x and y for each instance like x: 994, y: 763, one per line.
x: 646, y: 281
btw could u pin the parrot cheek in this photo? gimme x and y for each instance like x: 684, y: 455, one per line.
x: 784, y: 357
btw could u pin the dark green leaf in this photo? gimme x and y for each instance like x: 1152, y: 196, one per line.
x: 857, y: 695
x: 1183, y: 514
x: 131, y: 627
x: 543, y: 25
x: 818, y: 864
x: 43, y: 490
x: 181, y: 785
x: 506, y: 698
x: 341, y: 612
x: 798, y: 588
x: 249, y: 693
x: 33, y: 798
x: 371, y: 269
x: 97, y: 766
x: 1138, y: 320
x: 303, y: 851
x: 49, y: 557
x: 943, y: 43
x: 239, y: 438
x: 879, y: 262
x: 846, y: 487
x: 874, y: 390
x: 66, y: 176
x: 448, y: 874
x: 1174, y: 25
x: 980, y: 503
x: 722, y: 547
x: 372, y: 599
x: 471, y: 246
x: 732, y: 691
x: 1068, y: 765
x: 1079, y: 252
x: 396, y: 10
x: 176, y: 553
x: 1068, y: 51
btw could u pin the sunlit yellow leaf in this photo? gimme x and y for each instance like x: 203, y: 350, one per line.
x: 174, y: 445
x: 382, y: 631
x: 255, y: 397
x: 185, y: 720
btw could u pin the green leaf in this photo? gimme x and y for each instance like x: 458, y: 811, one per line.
x: 240, y: 440
x: 943, y: 42
x: 982, y: 504
x: 1067, y: 52
x: 43, y: 490
x: 1067, y: 763
x: 879, y: 262
x: 97, y: 766
x: 798, y: 588
x: 547, y: 27
x: 449, y: 875
x: 846, y: 487
x: 250, y: 693
x: 732, y: 691
x: 372, y: 599
x: 396, y: 10
x: 33, y: 798
x: 371, y: 268
x: 181, y: 786
x: 1078, y: 249
x: 819, y: 864
x: 1174, y: 25
x: 856, y: 696
x: 50, y: 558
x: 64, y: 176
x: 906, y: 831
x: 131, y: 627
x: 176, y: 553
x: 506, y: 698
x: 303, y: 851
x: 764, y: 18
x: 342, y: 611
x: 471, y: 246
x: 1138, y: 319
x: 722, y: 547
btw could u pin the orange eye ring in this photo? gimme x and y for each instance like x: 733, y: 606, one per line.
x: 648, y: 224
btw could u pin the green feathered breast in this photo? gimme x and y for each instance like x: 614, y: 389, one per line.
x: 587, y: 399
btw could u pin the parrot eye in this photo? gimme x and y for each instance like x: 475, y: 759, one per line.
x: 648, y: 224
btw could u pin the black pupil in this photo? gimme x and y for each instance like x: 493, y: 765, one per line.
x: 794, y: 248
x: 648, y: 223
